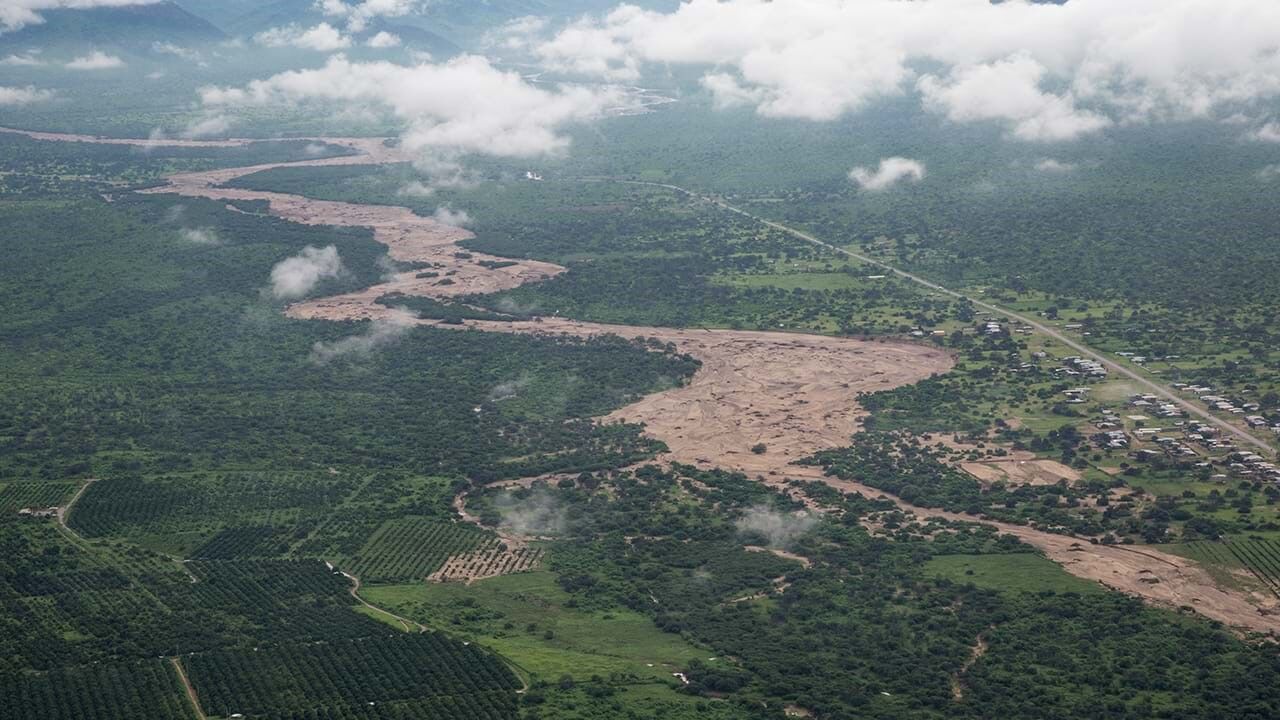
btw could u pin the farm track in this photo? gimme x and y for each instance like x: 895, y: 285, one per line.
x: 408, y: 624
x: 191, y: 691
x: 798, y: 392
x: 65, y: 510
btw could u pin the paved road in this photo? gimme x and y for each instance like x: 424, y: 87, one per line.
x: 1040, y: 327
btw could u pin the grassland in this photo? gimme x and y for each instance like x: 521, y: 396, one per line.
x: 530, y: 620
x: 1024, y: 572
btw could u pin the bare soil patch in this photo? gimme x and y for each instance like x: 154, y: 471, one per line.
x: 492, y: 561
x: 1021, y: 472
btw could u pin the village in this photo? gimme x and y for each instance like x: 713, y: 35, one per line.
x: 1147, y: 427
x: 1155, y: 428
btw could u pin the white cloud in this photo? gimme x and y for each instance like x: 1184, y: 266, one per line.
x: 359, y: 14
x: 27, y: 60
x: 1009, y: 90
x: 777, y: 529
x: 23, y: 95
x: 891, y: 171
x: 727, y: 92
x: 15, y: 14
x: 383, y: 39
x: 294, y: 277
x: 200, y: 236
x: 168, y: 48
x: 1047, y: 71
x: 1269, y: 173
x: 1049, y: 165
x: 518, y: 34
x: 381, y: 333
x: 322, y: 38
x: 463, y: 105
x: 211, y: 126
x: 416, y: 189
x: 448, y: 216
x: 1267, y: 133
x: 96, y: 60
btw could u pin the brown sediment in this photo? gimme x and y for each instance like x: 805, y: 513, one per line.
x: 795, y: 394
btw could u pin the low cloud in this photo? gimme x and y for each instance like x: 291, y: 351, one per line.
x: 322, y: 38
x: 358, y: 14
x: 1267, y: 133
x: 891, y: 171
x: 381, y: 333
x: 96, y: 60
x: 448, y: 216
x: 294, y: 277
x: 16, y: 14
x: 508, y: 390
x: 27, y: 60
x: 382, y: 40
x: 212, y: 126
x: 776, y: 529
x: 416, y: 189
x: 517, y: 34
x: 1057, y: 167
x: 465, y: 105
x: 168, y: 48
x: 1269, y: 173
x: 23, y: 95
x: 1009, y: 90
x: 1048, y: 71
x: 200, y: 236
x: 537, y: 515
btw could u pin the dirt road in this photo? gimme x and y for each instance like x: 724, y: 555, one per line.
x: 186, y: 684
x: 406, y: 623
x: 794, y: 393
x: 65, y: 509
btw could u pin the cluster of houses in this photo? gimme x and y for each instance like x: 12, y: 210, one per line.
x: 1229, y: 406
x: 30, y: 512
x: 1179, y: 444
x: 1081, y: 367
x: 1143, y: 359
x: 993, y: 327
x: 1247, y: 464
x: 1113, y: 434
x: 1153, y: 404
x: 1183, y: 439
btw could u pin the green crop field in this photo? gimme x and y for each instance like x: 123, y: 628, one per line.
x: 16, y: 496
x: 529, y: 619
x: 1011, y: 573
x: 412, y: 548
